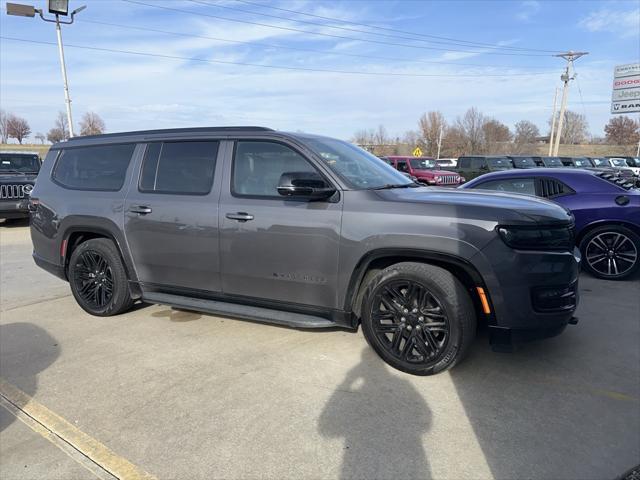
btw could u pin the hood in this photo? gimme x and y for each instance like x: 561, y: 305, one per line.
x: 14, y: 178
x: 507, y: 208
x: 430, y: 171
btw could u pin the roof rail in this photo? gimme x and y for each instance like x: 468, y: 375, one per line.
x: 176, y: 130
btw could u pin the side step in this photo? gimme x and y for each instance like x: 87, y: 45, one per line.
x: 259, y: 314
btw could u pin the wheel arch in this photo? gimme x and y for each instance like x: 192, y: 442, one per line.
x: 377, y: 260
x: 80, y: 230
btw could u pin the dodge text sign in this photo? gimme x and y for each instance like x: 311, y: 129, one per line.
x: 626, y: 89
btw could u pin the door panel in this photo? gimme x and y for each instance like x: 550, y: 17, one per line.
x: 275, y: 248
x: 173, y: 237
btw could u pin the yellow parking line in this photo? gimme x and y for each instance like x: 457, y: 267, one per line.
x: 83, y: 443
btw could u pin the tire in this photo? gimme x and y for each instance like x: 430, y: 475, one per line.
x: 611, y: 252
x: 98, y: 279
x: 418, y: 318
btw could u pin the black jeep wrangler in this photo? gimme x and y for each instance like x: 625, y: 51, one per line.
x: 18, y: 172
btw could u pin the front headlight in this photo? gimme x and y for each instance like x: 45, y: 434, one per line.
x: 537, y: 238
x: 438, y: 178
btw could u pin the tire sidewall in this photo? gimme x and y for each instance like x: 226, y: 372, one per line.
x: 635, y: 238
x: 450, y: 353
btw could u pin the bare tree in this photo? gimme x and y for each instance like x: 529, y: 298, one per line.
x: 469, y: 127
x: 430, y: 126
x: 381, y: 137
x: 364, y: 138
x: 622, y: 130
x: 526, y: 132
x: 575, y: 129
x: 18, y: 128
x: 4, y: 135
x: 91, y: 124
x: 40, y: 137
x: 60, y: 130
x: 496, y: 135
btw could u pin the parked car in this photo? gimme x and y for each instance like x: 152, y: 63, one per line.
x: 576, y: 162
x: 548, y: 162
x: 425, y: 170
x: 303, y: 231
x: 474, y: 166
x: 633, y: 163
x: 18, y: 172
x: 606, y: 210
x: 522, y: 161
x: 446, y: 163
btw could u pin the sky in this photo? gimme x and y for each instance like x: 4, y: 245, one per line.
x: 320, y: 66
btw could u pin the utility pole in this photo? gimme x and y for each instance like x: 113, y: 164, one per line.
x: 553, y: 122
x: 439, y: 142
x: 56, y: 7
x: 569, y: 74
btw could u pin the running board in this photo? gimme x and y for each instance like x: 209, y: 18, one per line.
x: 258, y: 314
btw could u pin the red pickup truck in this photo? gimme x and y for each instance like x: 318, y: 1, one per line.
x: 425, y: 170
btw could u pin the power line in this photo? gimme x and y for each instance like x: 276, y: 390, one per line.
x: 286, y: 47
x: 405, y: 32
x: 276, y: 67
x: 291, y: 29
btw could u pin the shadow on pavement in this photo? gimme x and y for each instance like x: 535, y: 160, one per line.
x: 382, y: 419
x: 25, y: 351
x: 14, y: 222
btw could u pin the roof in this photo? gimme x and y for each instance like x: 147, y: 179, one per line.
x: 176, y: 131
x: 19, y: 152
x: 514, y: 172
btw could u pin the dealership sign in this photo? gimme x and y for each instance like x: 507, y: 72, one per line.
x: 626, y: 89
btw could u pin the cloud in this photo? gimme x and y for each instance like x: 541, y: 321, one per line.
x: 528, y: 9
x: 625, y: 23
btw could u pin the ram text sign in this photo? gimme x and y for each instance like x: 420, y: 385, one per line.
x: 626, y: 89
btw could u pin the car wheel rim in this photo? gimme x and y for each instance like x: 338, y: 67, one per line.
x: 409, y: 321
x: 611, y: 254
x: 94, y: 279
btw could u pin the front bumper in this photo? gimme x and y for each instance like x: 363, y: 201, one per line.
x: 534, y: 294
x: 14, y: 208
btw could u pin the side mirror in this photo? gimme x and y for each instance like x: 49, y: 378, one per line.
x: 305, y: 185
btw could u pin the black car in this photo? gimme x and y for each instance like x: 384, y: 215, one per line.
x: 548, y: 162
x: 18, y: 172
x: 523, y: 161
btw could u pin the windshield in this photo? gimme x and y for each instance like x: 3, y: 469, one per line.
x: 634, y: 162
x: 357, y: 167
x: 552, y: 162
x: 524, y: 162
x: 599, y: 162
x: 582, y: 162
x: 618, y: 162
x: 500, y: 163
x: 422, y: 163
x: 10, y: 163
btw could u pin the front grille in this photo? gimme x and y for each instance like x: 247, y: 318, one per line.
x: 450, y: 179
x: 14, y: 191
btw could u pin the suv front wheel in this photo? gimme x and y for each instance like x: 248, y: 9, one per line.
x: 98, y: 279
x: 419, y: 318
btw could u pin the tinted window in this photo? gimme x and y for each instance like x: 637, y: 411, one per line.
x: 402, y: 166
x: 477, y: 163
x: 511, y: 185
x: 523, y: 162
x: 499, y: 163
x: 464, y: 162
x: 422, y: 163
x: 179, y: 167
x: 258, y: 166
x: 93, y: 168
x: 10, y: 163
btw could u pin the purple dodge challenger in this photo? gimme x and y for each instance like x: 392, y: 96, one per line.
x: 606, y: 211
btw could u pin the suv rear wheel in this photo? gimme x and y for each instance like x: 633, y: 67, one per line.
x: 419, y: 318
x: 98, y: 279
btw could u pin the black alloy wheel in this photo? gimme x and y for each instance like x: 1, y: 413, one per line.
x: 94, y: 279
x: 418, y: 317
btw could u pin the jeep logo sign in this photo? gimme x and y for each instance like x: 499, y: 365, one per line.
x: 626, y: 89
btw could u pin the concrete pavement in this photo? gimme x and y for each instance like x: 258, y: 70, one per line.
x: 189, y: 395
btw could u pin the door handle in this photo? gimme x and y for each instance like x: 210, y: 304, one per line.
x: 240, y: 216
x: 141, y: 209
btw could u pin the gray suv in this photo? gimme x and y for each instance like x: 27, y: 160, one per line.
x: 303, y: 231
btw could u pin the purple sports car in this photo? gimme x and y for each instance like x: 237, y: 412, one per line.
x: 606, y: 210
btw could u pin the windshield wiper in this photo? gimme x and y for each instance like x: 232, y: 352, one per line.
x: 389, y: 186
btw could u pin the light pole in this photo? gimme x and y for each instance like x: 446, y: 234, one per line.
x: 57, y: 8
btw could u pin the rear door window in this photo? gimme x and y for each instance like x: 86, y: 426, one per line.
x: 181, y: 168
x: 511, y: 185
x: 101, y: 167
